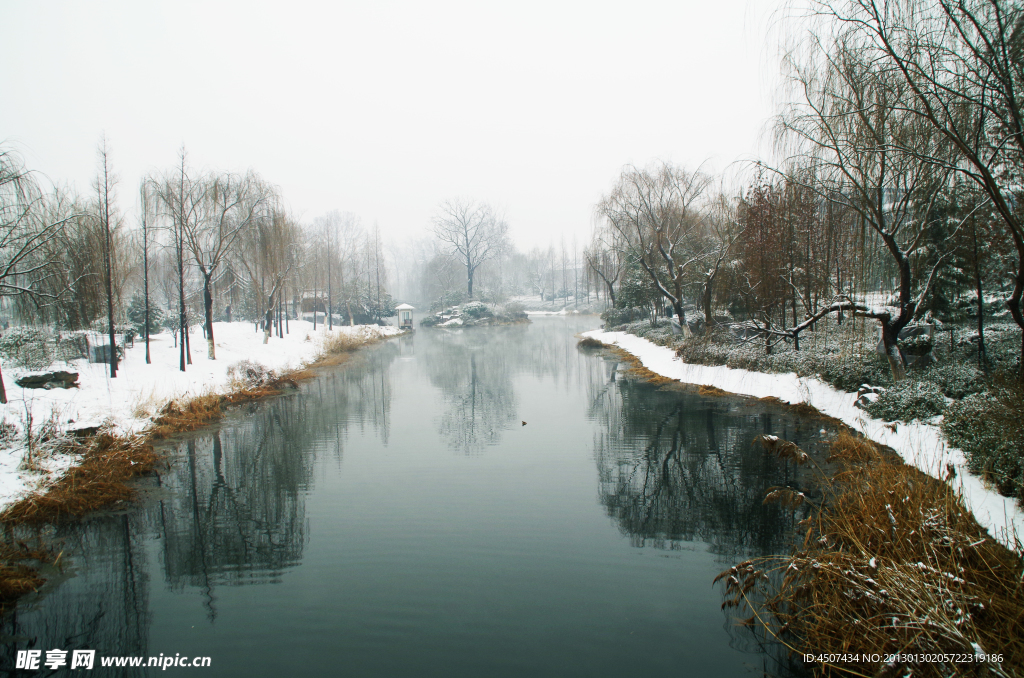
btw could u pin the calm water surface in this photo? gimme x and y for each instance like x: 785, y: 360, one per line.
x: 397, y: 518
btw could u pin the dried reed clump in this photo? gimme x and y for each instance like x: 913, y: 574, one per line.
x: 16, y: 581
x: 16, y: 578
x: 177, y: 416
x: 249, y: 374
x: 708, y: 390
x: 893, y: 562
x: 591, y: 342
x: 637, y: 369
x: 99, y: 481
x: 343, y: 342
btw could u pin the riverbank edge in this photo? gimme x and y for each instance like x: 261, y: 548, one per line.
x: 801, y: 600
x: 919, y: 444
x: 106, y: 464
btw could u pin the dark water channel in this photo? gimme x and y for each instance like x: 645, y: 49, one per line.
x: 396, y: 518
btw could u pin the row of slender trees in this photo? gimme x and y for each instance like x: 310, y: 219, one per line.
x: 201, y: 243
x: 897, y: 189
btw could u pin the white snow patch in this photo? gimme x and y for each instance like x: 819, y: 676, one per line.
x: 920, y: 443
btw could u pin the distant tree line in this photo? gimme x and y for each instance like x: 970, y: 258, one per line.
x: 201, y: 246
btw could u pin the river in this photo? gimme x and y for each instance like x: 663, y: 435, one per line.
x: 486, y: 502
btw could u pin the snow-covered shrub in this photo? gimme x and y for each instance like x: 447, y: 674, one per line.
x: 29, y: 347
x: 955, y: 379
x: 989, y: 428
x: 1002, y: 346
x: 430, y: 321
x: 613, y: 317
x: 475, y: 310
x: 908, y: 400
x: 8, y: 434
x: 137, y: 315
x: 847, y: 372
x: 916, y: 345
x: 250, y: 374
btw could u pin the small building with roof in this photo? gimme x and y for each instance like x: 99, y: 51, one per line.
x: 405, y: 315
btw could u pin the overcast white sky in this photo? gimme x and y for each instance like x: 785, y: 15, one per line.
x: 387, y: 108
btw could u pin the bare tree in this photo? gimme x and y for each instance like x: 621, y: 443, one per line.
x: 104, y: 189
x: 226, y: 206
x: 606, y: 257
x: 870, y: 151
x: 961, y: 63
x: 26, y: 231
x: 470, y: 231
x: 268, y: 255
x: 182, y: 195
x: 146, y: 207
x: 657, y: 212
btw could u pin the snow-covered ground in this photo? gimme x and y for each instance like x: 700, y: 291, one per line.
x: 920, y: 443
x: 127, y: 402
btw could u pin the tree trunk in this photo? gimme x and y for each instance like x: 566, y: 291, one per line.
x: 208, y: 307
x: 982, y: 361
x: 145, y: 284
x: 3, y: 391
x: 677, y: 306
x: 890, y: 337
x: 188, y: 345
x: 268, y: 320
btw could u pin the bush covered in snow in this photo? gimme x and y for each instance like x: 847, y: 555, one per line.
x: 848, y: 371
x: 908, y: 400
x: 989, y: 428
x: 613, y: 317
x: 916, y: 345
x: 29, y: 347
x: 250, y: 374
x: 955, y: 379
x: 476, y: 310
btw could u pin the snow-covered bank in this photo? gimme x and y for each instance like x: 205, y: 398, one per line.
x: 127, y: 402
x: 920, y: 444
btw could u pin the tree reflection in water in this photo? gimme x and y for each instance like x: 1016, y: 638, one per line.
x: 236, y: 507
x: 231, y: 512
x: 474, y: 372
x: 103, y: 603
x: 672, y: 468
x: 677, y: 467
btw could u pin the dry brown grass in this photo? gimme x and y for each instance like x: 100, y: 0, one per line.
x: 591, y: 342
x: 334, y: 343
x: 178, y: 416
x: 637, y: 370
x: 16, y: 578
x: 803, y: 410
x: 98, y: 481
x: 708, y: 390
x: 892, y: 563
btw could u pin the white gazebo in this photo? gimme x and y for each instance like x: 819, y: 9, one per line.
x: 404, y: 315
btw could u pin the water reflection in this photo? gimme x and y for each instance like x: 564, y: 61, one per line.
x: 426, y: 538
x: 474, y: 372
x: 103, y: 601
x: 236, y: 510
x: 678, y: 467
